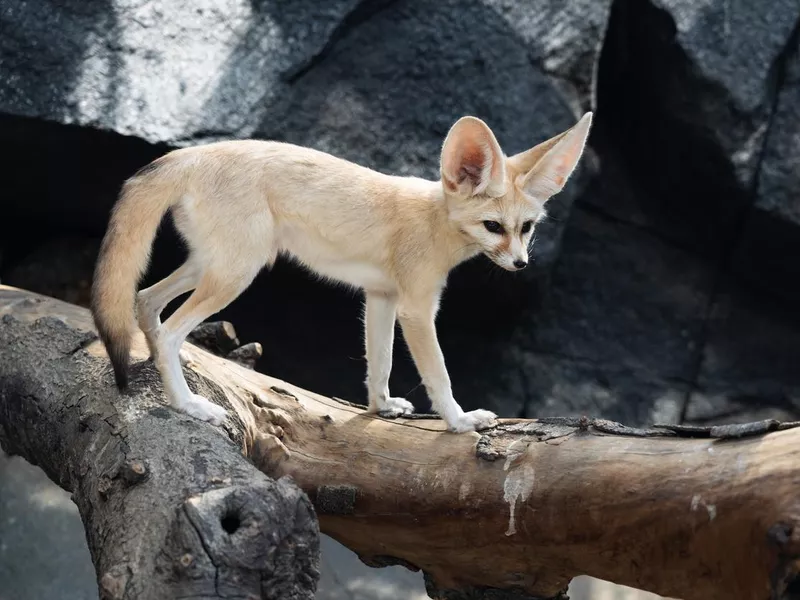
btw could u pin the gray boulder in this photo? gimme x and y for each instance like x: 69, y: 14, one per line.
x: 689, y: 90
x: 767, y: 250
x: 733, y: 49
x: 376, y: 80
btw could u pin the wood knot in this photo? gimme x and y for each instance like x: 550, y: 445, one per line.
x: 104, y: 485
x: 114, y: 581
x: 186, y: 560
x: 134, y: 472
x: 784, y: 575
x: 486, y: 450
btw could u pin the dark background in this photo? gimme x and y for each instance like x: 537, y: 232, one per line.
x: 666, y: 281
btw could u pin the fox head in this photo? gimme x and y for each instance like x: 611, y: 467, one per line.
x: 495, y: 200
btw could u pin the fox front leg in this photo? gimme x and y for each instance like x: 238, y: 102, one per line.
x: 379, y: 318
x: 417, y: 318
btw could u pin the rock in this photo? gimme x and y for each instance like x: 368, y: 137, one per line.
x: 749, y: 361
x: 557, y: 386
x: 61, y: 268
x: 621, y: 298
x: 185, y: 73
x: 619, y: 332
x: 429, y: 63
x: 160, y: 71
x: 768, y: 248
x: 733, y: 49
x: 689, y: 90
x: 779, y: 177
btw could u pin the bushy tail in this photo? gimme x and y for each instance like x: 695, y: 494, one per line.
x: 123, y: 259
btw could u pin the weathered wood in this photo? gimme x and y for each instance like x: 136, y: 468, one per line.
x: 512, y: 512
x: 246, y: 355
x: 172, y: 507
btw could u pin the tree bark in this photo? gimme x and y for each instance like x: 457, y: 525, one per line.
x: 172, y: 508
x: 512, y: 512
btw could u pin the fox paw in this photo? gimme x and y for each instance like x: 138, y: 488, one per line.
x: 203, y: 409
x: 473, y: 421
x: 396, y: 407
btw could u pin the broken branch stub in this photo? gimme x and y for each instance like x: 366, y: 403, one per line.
x: 218, y: 337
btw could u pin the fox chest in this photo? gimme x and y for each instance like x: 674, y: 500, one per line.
x: 337, y: 264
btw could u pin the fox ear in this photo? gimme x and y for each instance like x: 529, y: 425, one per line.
x: 551, y: 163
x: 472, y: 162
x: 526, y: 160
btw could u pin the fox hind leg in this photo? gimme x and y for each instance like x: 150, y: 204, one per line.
x: 212, y: 294
x: 152, y: 301
x: 230, y: 239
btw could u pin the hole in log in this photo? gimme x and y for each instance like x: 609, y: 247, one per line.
x: 230, y: 523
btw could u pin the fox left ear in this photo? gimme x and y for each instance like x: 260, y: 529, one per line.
x: 547, y: 167
x: 472, y: 162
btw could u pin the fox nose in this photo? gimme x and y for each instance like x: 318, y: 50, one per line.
x: 520, y: 264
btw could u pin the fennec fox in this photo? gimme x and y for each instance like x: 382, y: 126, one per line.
x: 239, y: 204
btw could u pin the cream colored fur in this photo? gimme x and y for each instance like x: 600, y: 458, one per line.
x: 239, y: 204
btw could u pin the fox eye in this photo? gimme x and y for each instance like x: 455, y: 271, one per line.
x: 526, y: 226
x: 493, y: 226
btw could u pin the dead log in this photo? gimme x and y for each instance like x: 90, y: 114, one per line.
x: 172, y: 509
x: 513, y: 512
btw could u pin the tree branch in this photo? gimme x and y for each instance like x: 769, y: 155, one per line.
x: 513, y: 512
x: 172, y: 509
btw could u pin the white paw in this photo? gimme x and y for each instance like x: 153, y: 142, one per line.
x: 396, y: 407
x: 203, y: 409
x: 473, y: 421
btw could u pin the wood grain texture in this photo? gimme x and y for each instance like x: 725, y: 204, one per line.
x: 513, y: 512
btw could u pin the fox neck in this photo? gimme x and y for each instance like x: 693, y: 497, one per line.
x: 458, y: 245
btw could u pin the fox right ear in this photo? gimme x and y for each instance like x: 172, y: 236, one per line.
x: 551, y: 169
x: 472, y: 162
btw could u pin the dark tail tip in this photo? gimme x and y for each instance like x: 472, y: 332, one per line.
x: 119, y: 361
